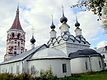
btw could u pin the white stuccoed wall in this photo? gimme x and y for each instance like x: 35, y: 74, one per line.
x: 68, y: 47
x: 11, y: 68
x: 55, y: 64
x: 78, y: 64
x: 105, y: 59
x: 95, y: 64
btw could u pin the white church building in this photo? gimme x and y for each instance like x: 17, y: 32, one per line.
x: 103, y: 52
x: 65, y: 55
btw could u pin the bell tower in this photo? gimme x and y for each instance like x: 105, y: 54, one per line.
x: 15, y: 39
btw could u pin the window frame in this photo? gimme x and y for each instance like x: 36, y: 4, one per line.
x: 18, y: 35
x: 100, y: 64
x: 86, y: 65
x: 64, y: 68
x: 13, y: 35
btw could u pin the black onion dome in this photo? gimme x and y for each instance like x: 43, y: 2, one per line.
x: 77, y: 24
x: 63, y: 19
x: 52, y: 26
x: 32, y: 40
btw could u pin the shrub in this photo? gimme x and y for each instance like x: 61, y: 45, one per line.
x: 6, y: 76
x: 47, y: 75
x: 24, y: 76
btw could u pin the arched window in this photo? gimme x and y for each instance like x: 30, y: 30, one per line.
x: 99, y: 64
x: 18, y: 36
x: 12, y: 35
x: 15, y: 53
x: 105, y: 64
x: 86, y: 65
x: 18, y: 43
x: 103, y: 56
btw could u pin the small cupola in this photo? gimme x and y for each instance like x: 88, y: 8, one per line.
x: 64, y: 28
x: 63, y: 19
x: 52, y: 32
x: 33, y: 40
x: 77, y: 24
x: 52, y: 26
x: 78, y: 31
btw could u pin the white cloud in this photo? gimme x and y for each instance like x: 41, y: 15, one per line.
x: 89, y: 24
x: 102, y: 44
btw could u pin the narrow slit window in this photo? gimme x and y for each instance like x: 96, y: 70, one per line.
x: 18, y: 36
x: 100, y: 64
x: 18, y: 43
x: 86, y: 65
x: 64, y: 68
x: 12, y: 35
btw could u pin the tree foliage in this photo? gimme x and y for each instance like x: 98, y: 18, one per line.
x: 96, y: 6
x: 105, y: 17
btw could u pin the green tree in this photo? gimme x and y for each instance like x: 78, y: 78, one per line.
x: 105, y: 18
x: 96, y: 6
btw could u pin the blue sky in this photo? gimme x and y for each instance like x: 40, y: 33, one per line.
x: 37, y: 14
x: 101, y: 37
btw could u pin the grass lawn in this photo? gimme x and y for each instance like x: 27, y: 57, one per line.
x: 88, y: 76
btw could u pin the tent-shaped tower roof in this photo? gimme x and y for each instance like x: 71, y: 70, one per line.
x: 16, y: 24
